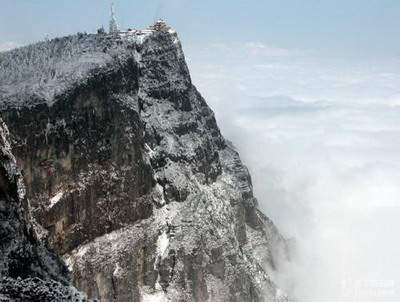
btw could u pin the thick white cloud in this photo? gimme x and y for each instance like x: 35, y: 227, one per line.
x: 261, y: 49
x: 322, y: 141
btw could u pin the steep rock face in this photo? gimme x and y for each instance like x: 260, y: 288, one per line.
x: 84, y: 158
x: 130, y: 176
x: 28, y: 271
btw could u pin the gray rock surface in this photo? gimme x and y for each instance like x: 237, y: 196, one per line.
x: 129, y: 175
x: 28, y: 270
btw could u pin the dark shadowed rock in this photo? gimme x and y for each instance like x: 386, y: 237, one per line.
x: 28, y: 270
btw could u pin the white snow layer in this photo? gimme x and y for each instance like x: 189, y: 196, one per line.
x: 160, y: 191
x: 55, y: 199
x: 158, y: 296
x: 162, y: 244
x: 68, y: 262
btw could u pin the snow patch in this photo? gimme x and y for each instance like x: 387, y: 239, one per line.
x: 160, y: 191
x: 68, y: 263
x: 118, y: 271
x: 55, y: 199
x: 82, y: 251
x: 162, y: 244
x: 149, y: 150
x: 158, y: 296
x: 76, y: 293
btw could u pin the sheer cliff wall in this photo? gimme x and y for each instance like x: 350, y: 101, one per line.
x: 129, y: 175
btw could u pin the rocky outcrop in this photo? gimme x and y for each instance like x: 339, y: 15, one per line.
x: 129, y: 174
x: 28, y: 270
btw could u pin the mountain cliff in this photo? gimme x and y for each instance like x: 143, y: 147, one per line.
x: 128, y: 175
x: 28, y: 270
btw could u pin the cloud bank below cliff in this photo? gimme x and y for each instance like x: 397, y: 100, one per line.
x: 322, y: 141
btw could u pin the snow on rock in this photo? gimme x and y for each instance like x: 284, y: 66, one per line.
x: 45, y: 70
x: 163, y: 207
x: 162, y: 244
x: 81, y: 251
x: 158, y: 296
x: 55, y: 199
x: 68, y: 262
x: 118, y: 271
x: 160, y: 194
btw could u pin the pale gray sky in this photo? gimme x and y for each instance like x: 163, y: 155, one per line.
x: 340, y: 27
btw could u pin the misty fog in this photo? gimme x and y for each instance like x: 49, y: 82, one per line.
x: 321, y: 138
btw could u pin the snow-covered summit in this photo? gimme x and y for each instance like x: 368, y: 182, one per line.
x: 42, y: 71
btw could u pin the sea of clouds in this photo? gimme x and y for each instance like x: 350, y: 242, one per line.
x: 321, y: 137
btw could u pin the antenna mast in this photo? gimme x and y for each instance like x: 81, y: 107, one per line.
x: 113, y: 20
